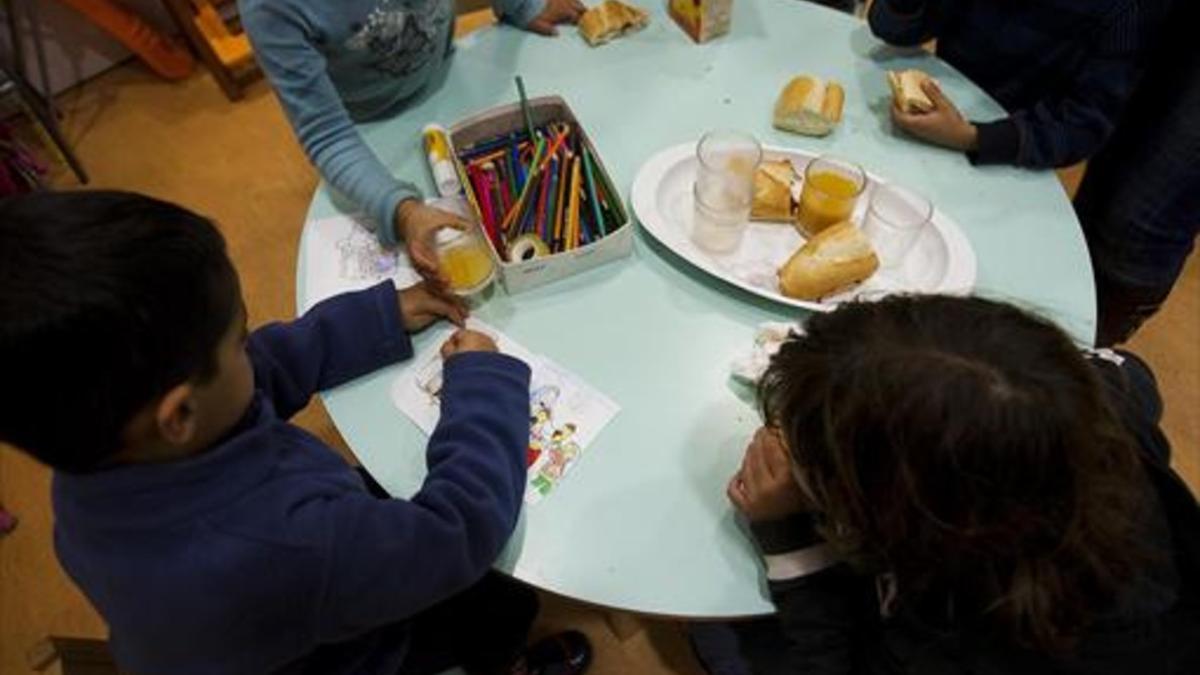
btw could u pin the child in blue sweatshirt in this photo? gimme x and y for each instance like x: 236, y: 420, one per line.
x: 337, y: 63
x: 1063, y: 69
x: 211, y: 534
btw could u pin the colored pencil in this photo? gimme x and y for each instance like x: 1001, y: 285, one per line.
x: 462, y: 179
x: 480, y: 160
x: 504, y: 200
x: 540, y: 226
x: 585, y: 226
x: 573, y: 208
x: 517, y: 210
x: 518, y: 168
x: 561, y: 203
x: 525, y: 106
x: 552, y: 201
x: 492, y: 144
x: 476, y: 187
x: 558, y: 141
x: 589, y: 174
x: 510, y: 178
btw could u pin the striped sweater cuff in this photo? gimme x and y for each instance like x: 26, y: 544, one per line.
x: 801, y: 563
x: 791, y: 547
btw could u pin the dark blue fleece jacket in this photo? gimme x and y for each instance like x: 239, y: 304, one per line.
x: 1063, y: 69
x: 265, y: 553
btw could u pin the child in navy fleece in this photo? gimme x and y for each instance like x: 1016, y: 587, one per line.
x: 212, y: 535
x: 1062, y: 68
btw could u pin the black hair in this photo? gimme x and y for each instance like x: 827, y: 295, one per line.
x: 967, y: 447
x: 107, y: 300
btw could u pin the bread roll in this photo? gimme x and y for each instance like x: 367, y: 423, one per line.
x: 609, y: 20
x: 810, y: 106
x: 773, y: 191
x: 836, y: 257
x: 907, y: 91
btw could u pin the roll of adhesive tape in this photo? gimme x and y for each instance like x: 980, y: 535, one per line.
x: 527, y: 247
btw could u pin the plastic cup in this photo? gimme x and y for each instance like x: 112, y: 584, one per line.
x: 464, y: 258
x: 896, y: 217
x: 724, y: 189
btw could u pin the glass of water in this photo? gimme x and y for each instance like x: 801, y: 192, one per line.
x: 724, y: 188
x: 896, y: 217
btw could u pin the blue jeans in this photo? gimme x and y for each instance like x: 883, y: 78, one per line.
x: 1139, y: 203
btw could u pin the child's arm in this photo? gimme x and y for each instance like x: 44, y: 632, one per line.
x: 1073, y: 124
x: 539, y: 16
x: 388, y: 559
x: 906, y: 23
x: 339, y: 339
x: 518, y: 12
x: 297, y: 70
x: 820, y: 603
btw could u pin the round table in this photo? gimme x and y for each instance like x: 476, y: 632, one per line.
x: 642, y: 523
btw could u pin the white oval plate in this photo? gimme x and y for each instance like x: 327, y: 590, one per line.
x: 941, y: 261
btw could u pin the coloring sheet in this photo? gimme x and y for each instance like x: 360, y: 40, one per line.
x: 342, y: 254
x: 565, y: 413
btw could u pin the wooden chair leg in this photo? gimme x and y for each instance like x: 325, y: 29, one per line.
x: 181, y: 11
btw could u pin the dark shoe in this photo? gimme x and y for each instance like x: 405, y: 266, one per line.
x: 566, y: 653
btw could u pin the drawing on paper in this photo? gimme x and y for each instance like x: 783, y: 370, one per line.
x: 565, y: 413
x: 361, y: 257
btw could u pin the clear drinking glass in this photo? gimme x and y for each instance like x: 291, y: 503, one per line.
x: 831, y: 189
x: 724, y: 188
x: 896, y: 216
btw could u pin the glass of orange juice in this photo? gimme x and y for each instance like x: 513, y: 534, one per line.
x: 465, y: 260
x: 831, y: 189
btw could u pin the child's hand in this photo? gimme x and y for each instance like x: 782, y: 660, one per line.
x: 422, y: 304
x: 465, y: 340
x: 944, y: 125
x: 764, y: 488
x: 556, y: 12
x: 417, y: 225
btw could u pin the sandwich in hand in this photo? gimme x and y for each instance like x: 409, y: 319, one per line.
x: 907, y: 91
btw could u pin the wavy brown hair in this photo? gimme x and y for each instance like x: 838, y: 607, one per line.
x: 966, y: 447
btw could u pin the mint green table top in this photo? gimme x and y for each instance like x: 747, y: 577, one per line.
x: 642, y: 522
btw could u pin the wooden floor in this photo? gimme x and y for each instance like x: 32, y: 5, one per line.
x: 239, y: 164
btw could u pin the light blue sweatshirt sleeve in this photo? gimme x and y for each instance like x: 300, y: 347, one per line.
x: 518, y: 12
x: 320, y: 120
